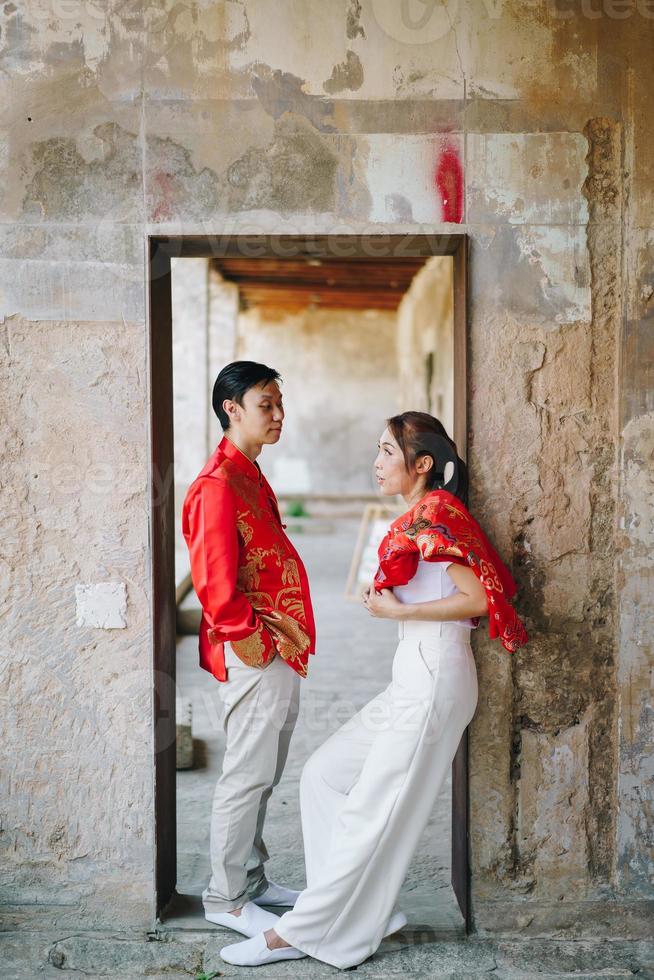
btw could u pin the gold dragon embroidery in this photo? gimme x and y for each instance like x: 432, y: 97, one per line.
x: 250, y: 650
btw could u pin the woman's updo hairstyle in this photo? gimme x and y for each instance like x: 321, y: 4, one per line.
x: 419, y: 434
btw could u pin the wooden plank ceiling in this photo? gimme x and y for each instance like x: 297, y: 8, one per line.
x: 296, y: 284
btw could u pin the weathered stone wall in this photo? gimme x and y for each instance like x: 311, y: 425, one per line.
x: 76, y: 722
x: 192, y: 380
x: 425, y: 321
x: 339, y: 372
x: 544, y: 473
x: 526, y: 125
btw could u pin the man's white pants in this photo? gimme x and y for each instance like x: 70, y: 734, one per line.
x: 260, y: 711
x: 367, y: 794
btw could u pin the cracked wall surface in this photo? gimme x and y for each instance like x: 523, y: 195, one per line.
x: 555, y: 397
x: 524, y: 127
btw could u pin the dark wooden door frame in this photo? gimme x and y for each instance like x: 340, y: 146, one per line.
x: 160, y: 249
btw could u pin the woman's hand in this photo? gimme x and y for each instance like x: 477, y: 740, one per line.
x: 384, y: 606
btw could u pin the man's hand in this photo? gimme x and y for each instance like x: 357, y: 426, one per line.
x: 384, y: 606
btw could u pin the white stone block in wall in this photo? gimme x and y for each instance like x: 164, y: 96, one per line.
x: 399, y: 173
x: 527, y: 178
x: 103, y: 605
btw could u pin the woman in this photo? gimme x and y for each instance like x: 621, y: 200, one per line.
x: 367, y: 793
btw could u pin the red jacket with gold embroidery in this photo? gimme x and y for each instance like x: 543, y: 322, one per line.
x: 440, y: 528
x: 249, y: 578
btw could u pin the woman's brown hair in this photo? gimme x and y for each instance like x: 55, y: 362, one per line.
x: 419, y: 434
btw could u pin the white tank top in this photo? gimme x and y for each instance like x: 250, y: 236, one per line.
x: 430, y: 582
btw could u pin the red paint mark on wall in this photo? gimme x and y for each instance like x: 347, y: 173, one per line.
x: 449, y: 184
x: 162, y: 191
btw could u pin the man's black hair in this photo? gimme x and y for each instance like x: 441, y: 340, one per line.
x: 234, y: 380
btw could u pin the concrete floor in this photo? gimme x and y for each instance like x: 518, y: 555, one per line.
x: 186, y: 955
x: 353, y: 649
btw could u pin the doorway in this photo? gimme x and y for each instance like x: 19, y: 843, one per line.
x: 385, y: 263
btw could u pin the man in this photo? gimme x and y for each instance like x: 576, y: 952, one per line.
x: 256, y: 634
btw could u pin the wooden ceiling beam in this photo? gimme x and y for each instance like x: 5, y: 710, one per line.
x: 297, y: 299
x: 293, y: 284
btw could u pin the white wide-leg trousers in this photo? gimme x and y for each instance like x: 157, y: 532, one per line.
x: 260, y: 711
x: 367, y: 794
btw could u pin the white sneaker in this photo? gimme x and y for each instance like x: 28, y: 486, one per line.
x: 250, y: 922
x: 255, y: 952
x: 277, y: 895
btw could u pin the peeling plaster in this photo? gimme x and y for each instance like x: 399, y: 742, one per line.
x: 295, y: 172
x: 527, y: 178
x: 281, y: 92
x: 346, y: 75
x: 550, y: 281
x: 66, y: 185
x: 354, y: 27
